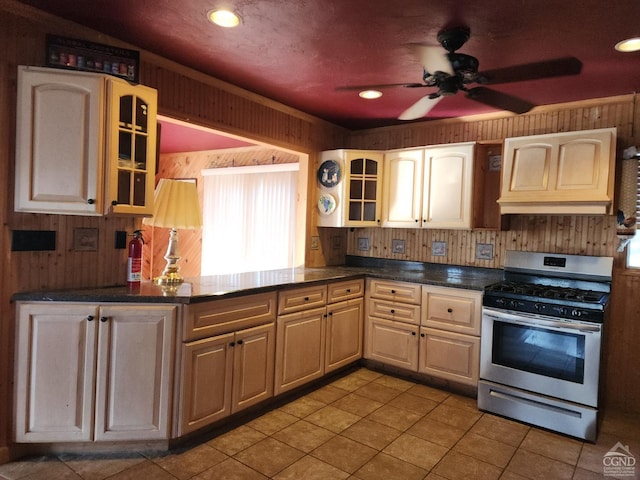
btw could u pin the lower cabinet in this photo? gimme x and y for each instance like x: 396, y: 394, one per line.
x: 232, y: 367
x: 427, y: 329
x: 391, y: 342
x: 343, y: 334
x: 225, y: 374
x: 450, y: 333
x: 313, y: 338
x: 453, y: 356
x: 89, y: 372
x: 393, y: 322
x: 300, y: 352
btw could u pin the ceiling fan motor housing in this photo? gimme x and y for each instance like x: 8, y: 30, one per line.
x: 452, y: 39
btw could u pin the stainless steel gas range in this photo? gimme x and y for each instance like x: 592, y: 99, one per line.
x: 541, y: 341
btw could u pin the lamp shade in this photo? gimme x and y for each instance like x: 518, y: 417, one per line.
x: 176, y: 205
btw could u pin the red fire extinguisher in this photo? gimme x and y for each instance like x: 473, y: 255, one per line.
x: 134, y: 264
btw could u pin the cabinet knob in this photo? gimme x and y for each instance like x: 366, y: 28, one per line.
x: 330, y: 314
x: 393, y: 291
x: 91, y: 201
x: 306, y: 299
x: 239, y: 342
x: 417, y: 220
x: 393, y: 311
x: 104, y: 319
x: 90, y: 318
x: 413, y: 333
x: 449, y: 309
x: 424, y: 220
x: 232, y: 344
x: 114, y: 202
x: 348, y: 290
x: 422, y: 335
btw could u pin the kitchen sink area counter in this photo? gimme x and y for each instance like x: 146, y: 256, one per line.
x: 203, y: 289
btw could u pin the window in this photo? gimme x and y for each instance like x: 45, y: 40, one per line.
x: 633, y: 247
x: 249, y: 218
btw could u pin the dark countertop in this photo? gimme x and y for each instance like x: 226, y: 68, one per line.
x: 200, y: 289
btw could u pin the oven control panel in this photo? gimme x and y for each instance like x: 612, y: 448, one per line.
x: 543, y: 308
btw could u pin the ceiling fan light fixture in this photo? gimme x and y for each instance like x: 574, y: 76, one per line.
x: 628, y: 45
x: 223, y: 18
x: 370, y: 94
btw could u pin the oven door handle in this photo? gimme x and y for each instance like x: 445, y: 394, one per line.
x: 538, y: 321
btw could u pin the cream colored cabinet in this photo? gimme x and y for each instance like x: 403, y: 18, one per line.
x: 450, y: 333
x: 561, y: 173
x: 428, y: 187
x: 300, y: 337
x: 319, y: 329
x: 300, y: 348
x: 85, y: 143
x: 227, y: 358
x: 93, y: 372
x: 345, y: 322
x: 392, y: 322
x: 349, y: 188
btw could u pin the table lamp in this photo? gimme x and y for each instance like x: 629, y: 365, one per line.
x: 175, y: 206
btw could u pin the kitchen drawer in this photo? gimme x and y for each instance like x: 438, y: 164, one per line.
x: 228, y: 315
x: 396, y: 291
x: 402, y: 312
x: 297, y: 299
x: 345, y: 290
x: 452, y: 309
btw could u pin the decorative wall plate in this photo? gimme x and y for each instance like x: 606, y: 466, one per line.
x: 329, y: 173
x: 326, y: 204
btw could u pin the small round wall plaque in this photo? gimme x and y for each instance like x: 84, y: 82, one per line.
x: 326, y: 204
x: 329, y: 173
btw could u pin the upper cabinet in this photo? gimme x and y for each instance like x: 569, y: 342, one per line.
x: 349, y: 188
x: 563, y: 173
x: 428, y: 187
x: 85, y: 145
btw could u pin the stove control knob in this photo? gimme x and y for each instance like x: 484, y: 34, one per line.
x: 500, y: 301
x: 576, y: 313
x: 513, y: 304
x: 563, y: 311
x: 537, y: 307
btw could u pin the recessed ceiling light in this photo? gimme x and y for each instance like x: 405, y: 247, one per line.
x: 370, y: 94
x: 224, y: 18
x: 628, y: 45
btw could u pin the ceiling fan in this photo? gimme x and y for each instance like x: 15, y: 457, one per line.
x: 452, y: 72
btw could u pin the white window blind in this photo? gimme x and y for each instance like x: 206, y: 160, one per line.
x: 249, y: 218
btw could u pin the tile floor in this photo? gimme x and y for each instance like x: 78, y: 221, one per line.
x: 362, y: 426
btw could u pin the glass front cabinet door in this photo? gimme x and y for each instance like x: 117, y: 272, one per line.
x: 131, y: 151
x: 349, y: 188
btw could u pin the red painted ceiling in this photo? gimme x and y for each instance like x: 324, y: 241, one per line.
x: 301, y: 52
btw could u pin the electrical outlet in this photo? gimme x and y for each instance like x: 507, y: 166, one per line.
x: 121, y: 240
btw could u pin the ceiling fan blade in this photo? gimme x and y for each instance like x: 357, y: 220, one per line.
x: 499, y: 100
x: 420, y: 108
x: 351, y: 88
x: 532, y: 71
x: 433, y: 59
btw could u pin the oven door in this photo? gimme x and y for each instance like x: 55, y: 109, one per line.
x: 545, y: 355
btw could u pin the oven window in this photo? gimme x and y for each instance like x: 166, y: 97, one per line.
x: 539, y: 350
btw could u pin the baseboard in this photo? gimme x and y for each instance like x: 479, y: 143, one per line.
x: 5, y: 457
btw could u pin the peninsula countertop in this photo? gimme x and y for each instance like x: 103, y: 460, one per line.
x: 206, y: 288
